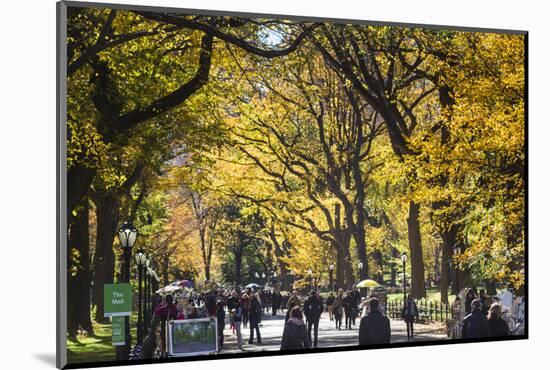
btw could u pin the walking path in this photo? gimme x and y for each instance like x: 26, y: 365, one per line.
x: 329, y: 336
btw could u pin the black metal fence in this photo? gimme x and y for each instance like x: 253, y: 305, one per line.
x: 428, y: 311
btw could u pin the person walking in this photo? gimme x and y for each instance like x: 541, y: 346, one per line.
x: 210, y: 303
x: 245, y: 303
x: 355, y: 301
x: 255, y: 315
x: 484, y: 303
x: 470, y: 296
x: 347, y: 304
x: 497, y: 326
x: 232, y: 302
x: 409, y: 313
x: 313, y: 308
x: 374, y: 328
x: 330, y: 301
x: 220, y: 317
x: 338, y: 308
x: 475, y: 325
x: 295, y: 334
x: 237, y: 320
x: 163, y: 313
x: 275, y: 302
x: 293, y: 301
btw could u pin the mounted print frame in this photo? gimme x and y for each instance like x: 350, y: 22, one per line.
x: 239, y: 184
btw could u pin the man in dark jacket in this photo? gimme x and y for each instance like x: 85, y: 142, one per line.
x: 475, y: 325
x: 313, y: 308
x: 275, y: 303
x: 374, y: 328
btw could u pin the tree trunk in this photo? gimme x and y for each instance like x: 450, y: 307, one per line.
x: 165, y: 265
x: 280, y: 252
x: 491, y: 287
x: 361, y: 246
x: 393, y: 271
x: 238, y: 265
x: 204, y: 251
x: 445, y: 271
x: 79, y: 179
x: 348, y: 269
x: 379, y: 258
x: 78, y: 273
x: 107, y: 210
x: 418, y: 286
x: 339, y: 268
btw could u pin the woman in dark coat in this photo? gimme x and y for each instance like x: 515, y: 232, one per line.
x: 409, y: 313
x: 338, y: 309
x: 497, y: 326
x: 470, y: 296
x: 295, y: 334
x: 245, y: 303
x: 255, y: 316
x: 347, y: 304
x: 220, y: 317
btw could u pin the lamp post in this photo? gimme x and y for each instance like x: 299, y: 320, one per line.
x: 309, y: 274
x: 146, y: 295
x: 360, y: 268
x: 140, y: 258
x: 127, y: 235
x: 330, y: 277
x: 152, y: 279
x: 404, y: 260
x: 456, y: 252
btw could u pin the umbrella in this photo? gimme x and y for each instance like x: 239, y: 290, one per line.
x: 168, y: 289
x: 253, y: 286
x: 367, y: 283
x: 185, y: 283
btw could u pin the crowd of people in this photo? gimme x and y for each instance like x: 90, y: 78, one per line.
x: 245, y: 309
x: 484, y: 316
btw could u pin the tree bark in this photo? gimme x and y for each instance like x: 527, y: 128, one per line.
x: 107, y: 210
x: 339, y: 268
x: 418, y: 286
x: 491, y: 287
x: 238, y: 264
x: 78, y: 273
x: 445, y: 270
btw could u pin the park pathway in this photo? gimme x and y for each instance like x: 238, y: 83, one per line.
x: 329, y: 336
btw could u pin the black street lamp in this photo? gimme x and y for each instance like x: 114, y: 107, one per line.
x: 404, y: 260
x: 141, y: 258
x: 127, y: 235
x: 360, y: 268
x: 310, y: 275
x: 456, y: 252
x: 330, y: 277
x: 146, y: 295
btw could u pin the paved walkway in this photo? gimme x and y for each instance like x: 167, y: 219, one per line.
x: 329, y: 336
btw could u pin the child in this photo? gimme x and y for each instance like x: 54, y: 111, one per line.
x: 232, y: 320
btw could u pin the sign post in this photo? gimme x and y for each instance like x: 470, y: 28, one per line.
x: 117, y: 303
x: 117, y: 299
x: 118, y: 326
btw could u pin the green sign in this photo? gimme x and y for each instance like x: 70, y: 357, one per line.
x: 118, y: 325
x: 117, y: 300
